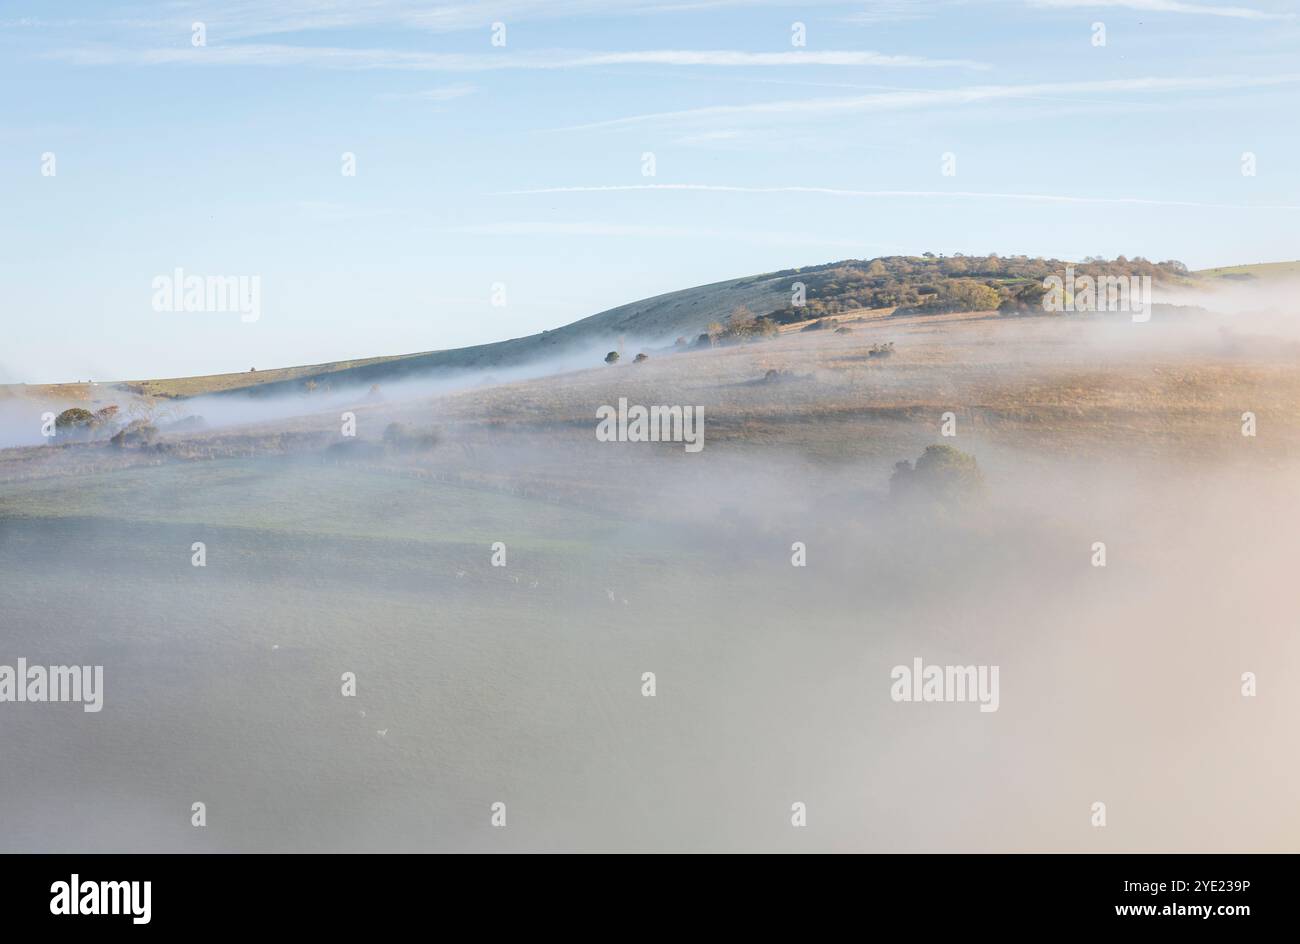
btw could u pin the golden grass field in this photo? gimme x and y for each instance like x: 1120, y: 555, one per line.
x: 1041, y: 387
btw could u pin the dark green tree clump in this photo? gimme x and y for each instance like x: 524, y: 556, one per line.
x: 73, y: 419
x: 743, y: 325
x: 931, y: 284
x: 79, y: 424
x: 135, y: 433
x: 942, y: 474
x: 956, y: 295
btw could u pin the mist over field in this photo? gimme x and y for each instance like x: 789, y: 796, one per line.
x: 618, y: 426
x: 523, y: 683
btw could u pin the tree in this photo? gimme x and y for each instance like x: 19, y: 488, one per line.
x: 740, y: 316
x: 73, y: 419
x: 942, y: 474
x: 136, y: 433
x: 960, y: 295
x: 1028, y: 297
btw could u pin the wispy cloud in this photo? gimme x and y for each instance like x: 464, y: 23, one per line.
x: 525, y: 228
x: 1169, y: 6
x: 276, y: 54
x: 251, y: 18
x: 687, y: 57
x: 445, y: 93
x: 707, y: 137
x: 917, y: 194
x: 324, y: 211
x: 603, y: 229
x: 950, y: 97
x: 891, y: 11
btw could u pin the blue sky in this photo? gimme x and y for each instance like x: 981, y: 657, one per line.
x: 523, y: 164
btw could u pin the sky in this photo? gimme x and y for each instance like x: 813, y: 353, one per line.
x: 521, y: 164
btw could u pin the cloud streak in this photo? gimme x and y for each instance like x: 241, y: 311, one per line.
x: 445, y: 93
x: 334, y: 57
x: 252, y: 18
x: 1169, y: 6
x: 947, y: 98
x: 917, y: 194
x: 685, y: 57
x: 603, y: 229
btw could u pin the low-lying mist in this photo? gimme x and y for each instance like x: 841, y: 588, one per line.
x: 523, y: 683
x: 1120, y: 551
x: 21, y: 416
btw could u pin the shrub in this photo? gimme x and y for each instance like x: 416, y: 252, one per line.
x: 74, y: 419
x: 957, y: 295
x: 1027, y: 298
x: 135, y: 433
x: 753, y: 329
x: 881, y: 350
x: 611, y: 357
x: 640, y: 358
x: 743, y: 325
x: 402, y: 438
x: 942, y: 474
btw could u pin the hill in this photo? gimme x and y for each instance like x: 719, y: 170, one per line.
x: 1275, y: 271
x: 903, y: 285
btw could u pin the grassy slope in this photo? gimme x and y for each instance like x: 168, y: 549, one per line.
x: 1039, y: 386
x: 248, y: 494
x: 686, y: 312
x: 683, y: 312
x: 1259, y: 270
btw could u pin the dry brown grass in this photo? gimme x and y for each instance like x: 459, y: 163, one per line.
x: 1050, y: 388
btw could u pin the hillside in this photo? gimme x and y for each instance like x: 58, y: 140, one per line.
x: 374, y: 554
x: 660, y: 318
x: 907, y: 285
x: 1275, y: 271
